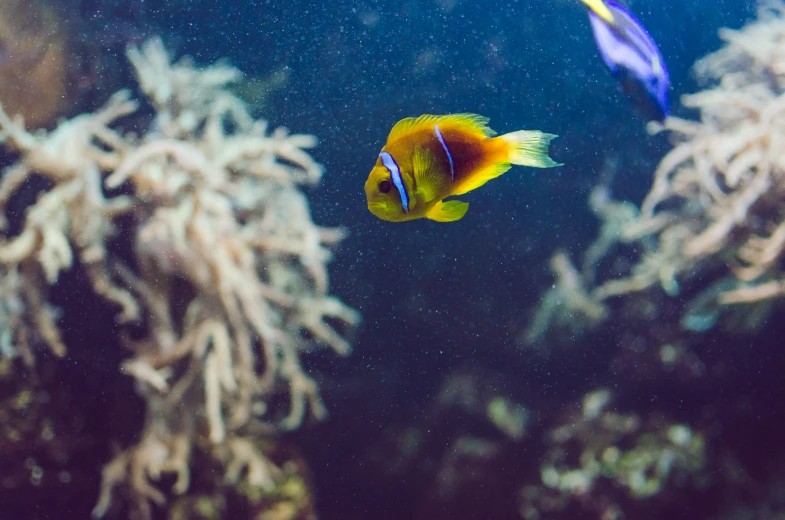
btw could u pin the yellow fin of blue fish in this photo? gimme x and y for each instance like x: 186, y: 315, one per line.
x: 530, y: 148
x: 449, y: 211
x: 599, y: 8
x: 428, y: 179
x: 470, y: 123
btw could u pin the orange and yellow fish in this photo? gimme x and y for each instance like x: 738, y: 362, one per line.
x: 429, y: 158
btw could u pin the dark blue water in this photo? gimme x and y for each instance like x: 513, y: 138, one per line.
x: 440, y: 298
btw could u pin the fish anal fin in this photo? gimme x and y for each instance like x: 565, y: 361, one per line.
x: 429, y: 180
x: 449, y: 211
x: 470, y: 123
x: 480, y: 177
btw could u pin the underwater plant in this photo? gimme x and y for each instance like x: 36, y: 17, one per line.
x: 713, y: 212
x: 600, y: 459
x: 221, y: 284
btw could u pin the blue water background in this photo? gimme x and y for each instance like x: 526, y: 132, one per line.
x: 438, y: 297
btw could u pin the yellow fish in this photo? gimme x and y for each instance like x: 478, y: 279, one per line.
x: 432, y: 157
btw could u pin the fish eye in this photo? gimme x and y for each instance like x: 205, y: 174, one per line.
x: 385, y: 186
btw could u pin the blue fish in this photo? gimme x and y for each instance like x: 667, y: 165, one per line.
x: 632, y: 56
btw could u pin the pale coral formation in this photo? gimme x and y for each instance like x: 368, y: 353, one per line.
x: 715, y: 205
x: 599, y: 459
x: 226, y: 275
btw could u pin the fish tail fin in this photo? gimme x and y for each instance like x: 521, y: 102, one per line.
x: 530, y: 148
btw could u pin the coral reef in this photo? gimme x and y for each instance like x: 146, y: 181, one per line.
x: 195, y: 229
x: 687, y: 275
x: 594, y: 458
x: 618, y: 458
x: 714, y: 210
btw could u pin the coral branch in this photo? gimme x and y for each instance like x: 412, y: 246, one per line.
x: 219, y: 226
x: 715, y: 208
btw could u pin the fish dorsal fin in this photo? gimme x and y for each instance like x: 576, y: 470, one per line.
x: 449, y: 211
x: 480, y: 177
x: 429, y: 181
x: 469, y: 123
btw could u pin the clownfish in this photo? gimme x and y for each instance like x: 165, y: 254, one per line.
x: 429, y: 158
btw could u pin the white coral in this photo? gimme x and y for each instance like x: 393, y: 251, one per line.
x: 215, y: 202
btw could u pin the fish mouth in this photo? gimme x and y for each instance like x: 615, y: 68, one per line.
x: 381, y: 210
x: 377, y: 208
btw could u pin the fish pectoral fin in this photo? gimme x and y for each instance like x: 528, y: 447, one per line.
x: 430, y: 182
x: 449, y: 211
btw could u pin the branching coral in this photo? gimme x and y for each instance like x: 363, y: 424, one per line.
x: 716, y: 200
x: 599, y: 459
x: 214, y: 204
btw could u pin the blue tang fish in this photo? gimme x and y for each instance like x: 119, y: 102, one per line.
x: 632, y: 56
